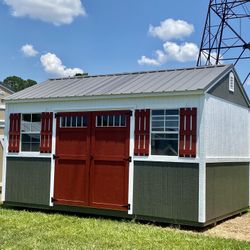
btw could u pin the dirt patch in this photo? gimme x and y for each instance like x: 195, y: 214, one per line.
x: 236, y: 228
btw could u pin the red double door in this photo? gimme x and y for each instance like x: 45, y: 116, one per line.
x: 92, y: 159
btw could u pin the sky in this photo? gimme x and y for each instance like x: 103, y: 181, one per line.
x: 41, y: 39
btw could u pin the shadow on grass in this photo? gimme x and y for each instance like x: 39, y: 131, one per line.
x: 131, y: 219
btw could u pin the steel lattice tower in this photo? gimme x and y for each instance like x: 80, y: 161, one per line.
x: 223, y: 36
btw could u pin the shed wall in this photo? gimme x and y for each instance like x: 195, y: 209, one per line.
x: 28, y: 180
x: 221, y: 90
x: 227, y: 188
x: 226, y: 129
x: 166, y: 190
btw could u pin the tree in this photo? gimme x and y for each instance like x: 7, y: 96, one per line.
x: 17, y: 83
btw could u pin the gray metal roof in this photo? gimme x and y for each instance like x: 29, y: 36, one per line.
x: 164, y: 81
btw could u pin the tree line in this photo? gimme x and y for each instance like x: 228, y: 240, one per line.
x: 16, y: 83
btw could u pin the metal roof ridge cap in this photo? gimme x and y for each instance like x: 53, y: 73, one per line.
x: 138, y: 72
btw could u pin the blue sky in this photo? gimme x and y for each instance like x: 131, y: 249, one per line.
x: 40, y: 39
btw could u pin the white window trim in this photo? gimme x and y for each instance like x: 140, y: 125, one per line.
x: 31, y: 132
x: 108, y: 126
x: 70, y: 116
x: 163, y: 157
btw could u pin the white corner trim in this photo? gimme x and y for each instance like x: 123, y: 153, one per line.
x: 202, y: 192
x: 4, y: 157
x: 249, y: 184
x: 52, y: 170
x: 131, y: 164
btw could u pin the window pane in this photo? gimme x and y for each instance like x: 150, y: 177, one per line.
x: 36, y: 126
x: 78, y: 121
x: 123, y: 120
x: 172, y: 112
x: 157, y: 124
x: 84, y: 121
x: 111, y: 120
x: 157, y: 112
x: 26, y: 123
x: 35, y: 138
x: 36, y: 117
x: 26, y: 117
x: 172, y: 118
x: 68, y: 121
x: 99, y: 120
x: 26, y: 126
x: 164, y: 147
x: 35, y: 147
x: 62, y: 122
x: 73, y: 121
x: 171, y: 124
x: 105, y: 121
x: 117, y: 120
x: 30, y: 142
x: 158, y: 117
x: 25, y: 147
x: 26, y: 138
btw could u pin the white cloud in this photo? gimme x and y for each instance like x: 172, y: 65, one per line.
x: 171, y: 29
x: 53, y: 11
x: 181, y: 53
x: 160, y: 58
x: 148, y: 61
x: 28, y: 50
x: 172, y: 52
x: 53, y: 65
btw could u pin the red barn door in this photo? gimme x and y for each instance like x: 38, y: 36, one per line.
x: 72, y: 159
x: 92, y: 159
x: 110, y: 160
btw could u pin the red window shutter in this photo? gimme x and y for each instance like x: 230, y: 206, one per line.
x: 188, y: 127
x: 46, y: 132
x: 14, y: 133
x: 142, y: 127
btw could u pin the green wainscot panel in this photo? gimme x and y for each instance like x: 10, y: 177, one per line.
x: 28, y: 180
x: 227, y: 188
x: 166, y: 190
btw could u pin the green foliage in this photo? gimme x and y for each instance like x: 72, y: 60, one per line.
x: 35, y: 230
x: 17, y: 83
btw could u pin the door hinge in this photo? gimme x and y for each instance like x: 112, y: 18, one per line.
x: 127, y: 206
x: 129, y: 159
x: 53, y: 199
x: 130, y: 113
x: 55, y: 157
x: 56, y: 115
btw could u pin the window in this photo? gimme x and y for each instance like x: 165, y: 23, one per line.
x: 231, y: 82
x: 165, y: 132
x: 30, y: 132
x: 111, y: 121
x: 73, y: 121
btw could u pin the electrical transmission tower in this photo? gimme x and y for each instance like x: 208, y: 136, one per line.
x: 226, y: 35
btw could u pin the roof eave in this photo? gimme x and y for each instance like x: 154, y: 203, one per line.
x: 118, y: 96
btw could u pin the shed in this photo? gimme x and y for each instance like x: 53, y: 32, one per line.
x: 169, y: 146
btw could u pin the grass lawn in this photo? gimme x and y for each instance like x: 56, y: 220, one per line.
x: 36, y: 230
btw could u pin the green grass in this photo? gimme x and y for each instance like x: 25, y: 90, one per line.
x: 36, y: 230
